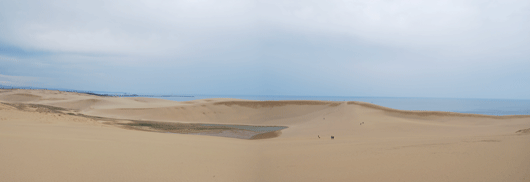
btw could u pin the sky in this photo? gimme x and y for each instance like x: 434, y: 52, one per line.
x: 377, y: 48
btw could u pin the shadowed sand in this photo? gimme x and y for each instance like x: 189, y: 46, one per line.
x: 60, y: 136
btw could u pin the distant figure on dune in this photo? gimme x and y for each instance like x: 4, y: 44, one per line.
x: 318, y: 136
x: 332, y: 137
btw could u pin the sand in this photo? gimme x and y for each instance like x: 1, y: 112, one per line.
x: 61, y: 136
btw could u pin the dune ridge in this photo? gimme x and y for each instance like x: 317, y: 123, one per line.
x: 432, y: 113
x: 258, y: 104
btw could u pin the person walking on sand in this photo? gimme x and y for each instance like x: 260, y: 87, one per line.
x: 318, y: 136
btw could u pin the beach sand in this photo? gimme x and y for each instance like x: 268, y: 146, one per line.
x: 63, y: 136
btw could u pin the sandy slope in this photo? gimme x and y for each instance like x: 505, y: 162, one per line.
x: 391, y: 145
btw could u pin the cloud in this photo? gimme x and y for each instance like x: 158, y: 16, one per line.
x: 120, y: 27
x: 450, y: 27
x: 310, y: 47
x: 18, y: 81
x: 178, y: 27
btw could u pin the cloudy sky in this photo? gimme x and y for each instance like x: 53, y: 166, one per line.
x: 456, y: 49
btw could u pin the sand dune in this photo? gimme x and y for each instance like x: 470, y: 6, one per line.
x: 20, y: 97
x: 60, y: 136
x: 80, y: 104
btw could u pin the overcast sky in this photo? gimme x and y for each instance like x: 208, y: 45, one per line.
x: 456, y: 49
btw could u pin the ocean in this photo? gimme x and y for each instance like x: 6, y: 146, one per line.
x: 497, y: 107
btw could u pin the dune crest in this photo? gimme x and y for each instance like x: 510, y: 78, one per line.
x: 269, y: 104
x: 431, y: 113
